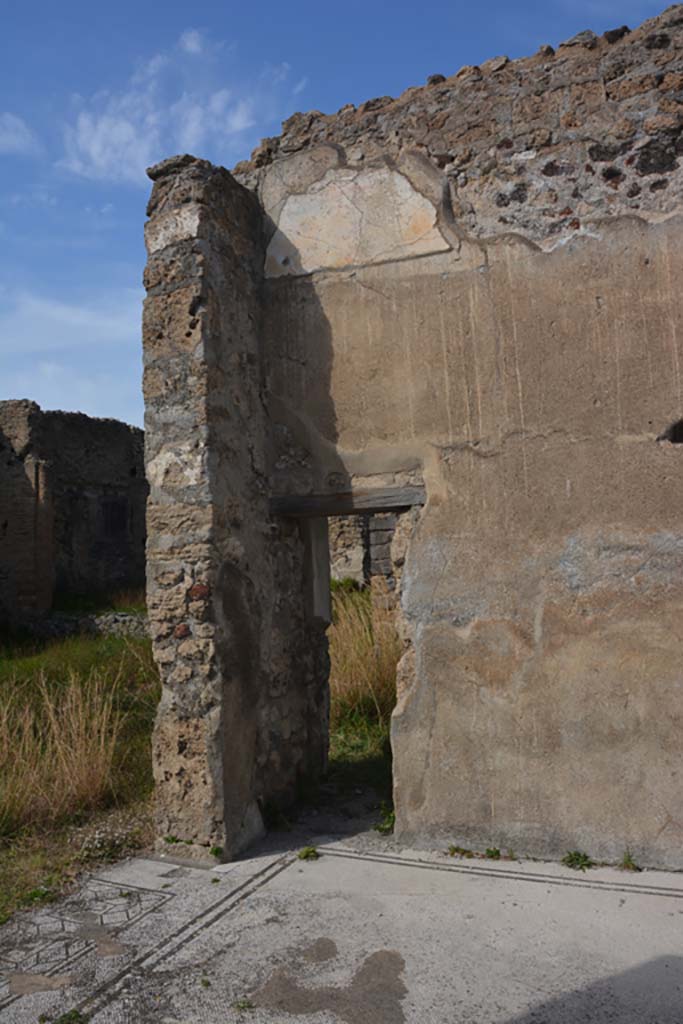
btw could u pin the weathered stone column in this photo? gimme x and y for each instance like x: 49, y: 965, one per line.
x: 204, y: 453
x: 243, y: 710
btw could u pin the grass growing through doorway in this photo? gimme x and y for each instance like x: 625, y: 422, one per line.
x: 364, y: 651
x: 75, y: 766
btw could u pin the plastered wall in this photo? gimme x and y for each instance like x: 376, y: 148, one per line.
x: 520, y: 357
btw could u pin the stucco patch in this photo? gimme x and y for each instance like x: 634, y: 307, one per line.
x: 172, y: 227
x: 351, y: 217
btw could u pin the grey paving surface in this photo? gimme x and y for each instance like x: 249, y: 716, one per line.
x: 367, y: 934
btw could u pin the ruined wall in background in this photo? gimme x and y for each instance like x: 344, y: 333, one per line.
x: 241, y: 651
x: 26, y: 516
x: 360, y: 547
x: 349, y: 548
x: 72, y: 506
x: 98, y: 488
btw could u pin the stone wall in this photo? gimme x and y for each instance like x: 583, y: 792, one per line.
x: 360, y: 547
x: 537, y: 146
x: 472, y: 288
x: 72, y: 506
x: 238, y: 639
x: 349, y: 548
x: 26, y: 516
x: 99, y: 491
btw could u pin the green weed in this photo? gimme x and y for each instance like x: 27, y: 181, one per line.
x: 385, y: 826
x: 577, y: 860
x: 460, y: 851
x: 308, y: 853
x: 627, y: 862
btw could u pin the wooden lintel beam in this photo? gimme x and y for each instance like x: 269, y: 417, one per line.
x: 379, y: 499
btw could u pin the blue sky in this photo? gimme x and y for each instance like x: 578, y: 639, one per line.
x: 91, y: 93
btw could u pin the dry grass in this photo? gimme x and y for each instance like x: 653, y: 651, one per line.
x: 75, y: 762
x: 132, y: 599
x: 75, y: 728
x: 57, y: 751
x: 364, y: 651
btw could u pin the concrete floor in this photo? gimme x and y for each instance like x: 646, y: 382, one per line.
x: 367, y: 934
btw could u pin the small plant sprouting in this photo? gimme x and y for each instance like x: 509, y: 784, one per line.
x: 205, y: 983
x: 492, y: 853
x: 71, y: 1017
x: 627, y: 862
x: 385, y: 826
x: 171, y: 840
x: 460, y: 851
x: 308, y: 853
x: 577, y: 860
x: 243, y: 1004
x: 215, y: 881
x: 40, y: 895
x: 216, y: 851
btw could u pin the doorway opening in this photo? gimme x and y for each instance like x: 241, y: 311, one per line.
x: 364, y: 647
x: 356, y: 544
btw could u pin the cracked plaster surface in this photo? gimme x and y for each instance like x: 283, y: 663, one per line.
x: 353, y: 217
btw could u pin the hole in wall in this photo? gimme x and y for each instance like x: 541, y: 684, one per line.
x: 673, y: 434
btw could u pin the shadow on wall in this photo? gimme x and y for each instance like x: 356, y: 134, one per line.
x: 301, y: 460
x: 300, y: 358
x: 651, y: 993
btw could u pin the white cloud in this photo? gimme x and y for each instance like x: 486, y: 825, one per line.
x: 33, y: 323
x: 191, y: 41
x: 80, y: 356
x: 32, y: 196
x: 241, y: 116
x: 16, y: 136
x: 118, y: 140
x: 166, y: 108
